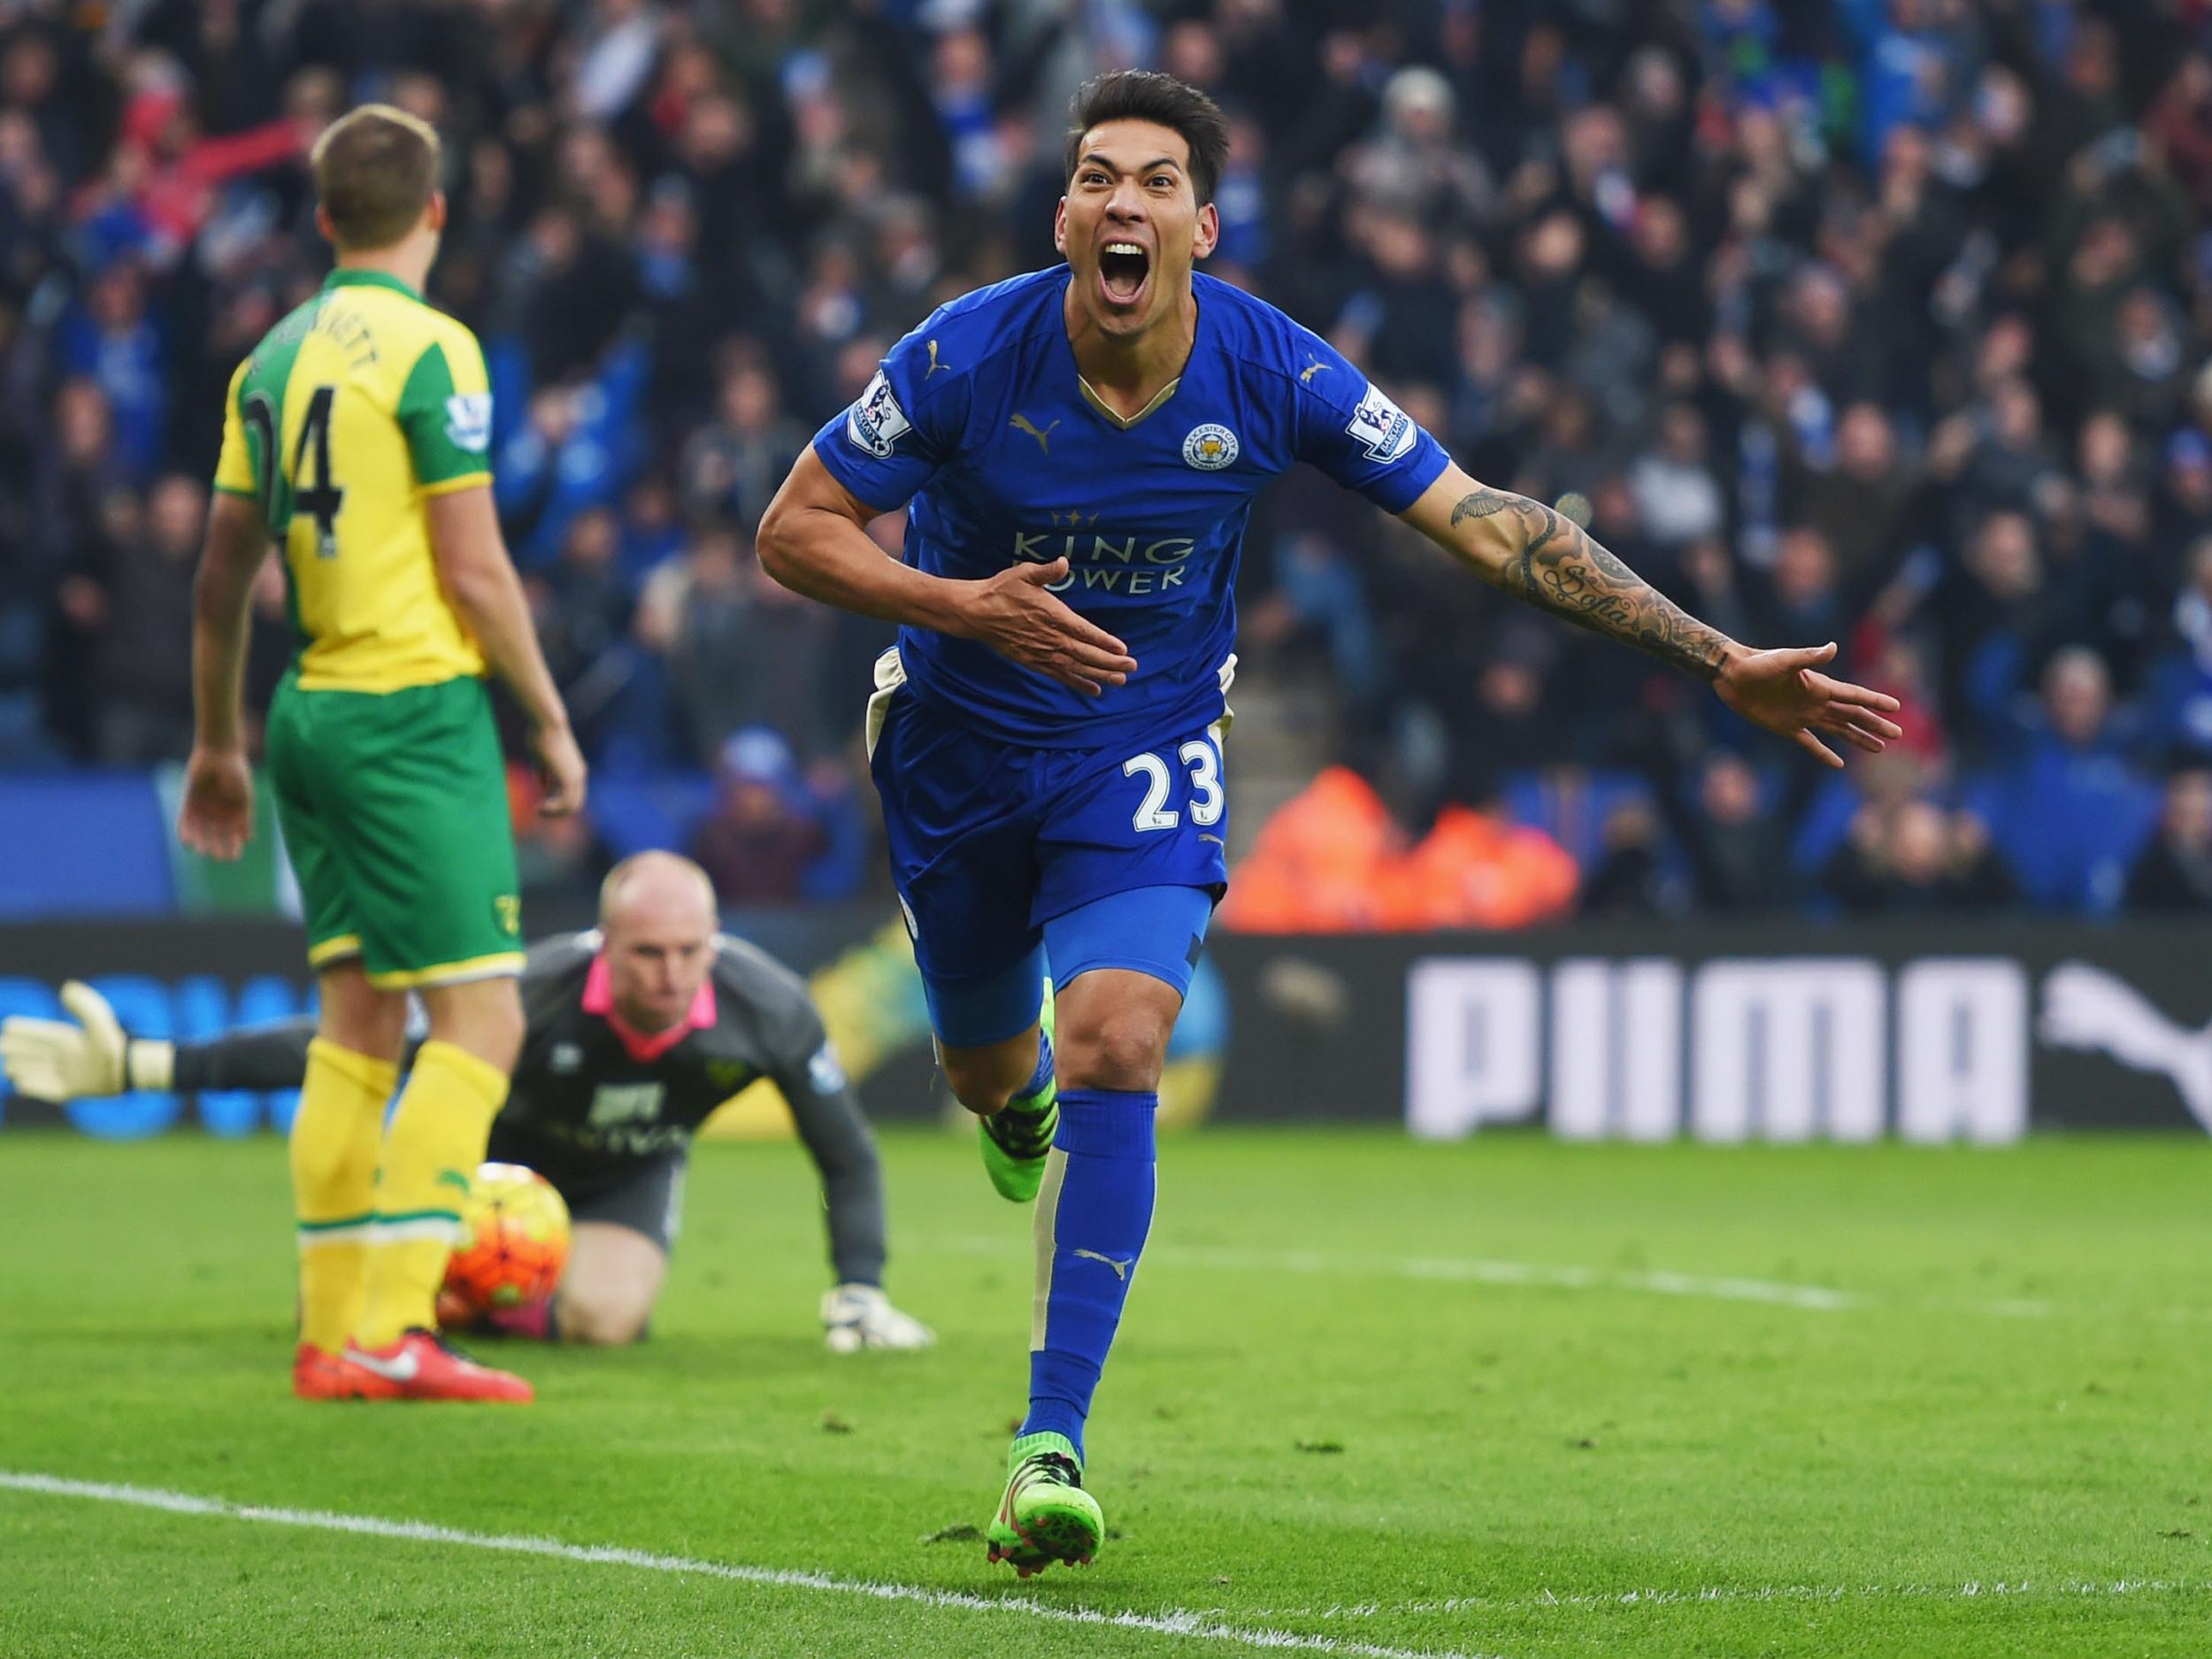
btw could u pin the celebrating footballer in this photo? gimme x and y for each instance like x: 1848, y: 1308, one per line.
x: 1078, y: 451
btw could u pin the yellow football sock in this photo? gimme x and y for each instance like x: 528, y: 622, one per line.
x: 337, y: 1136
x: 430, y: 1156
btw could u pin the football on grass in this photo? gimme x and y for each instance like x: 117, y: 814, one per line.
x: 514, y: 1240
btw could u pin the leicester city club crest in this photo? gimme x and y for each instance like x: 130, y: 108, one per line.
x: 1209, y: 447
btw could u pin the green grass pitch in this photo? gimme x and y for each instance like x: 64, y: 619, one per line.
x: 1505, y: 1398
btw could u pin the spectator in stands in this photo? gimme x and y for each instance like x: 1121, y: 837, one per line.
x: 2114, y: 494
x: 114, y: 343
x: 2182, y: 506
x: 692, y: 617
x: 1395, y: 318
x: 574, y: 451
x: 1499, y: 725
x: 1804, y: 596
x: 2179, y: 126
x: 1916, y: 858
x: 761, y: 834
x: 583, y: 607
x: 1737, y: 842
x: 734, y: 466
x: 1632, y: 877
x: 1677, y: 498
x: 145, y: 658
x: 1858, y: 505
x: 1896, y: 366
x: 1316, y: 599
x: 2175, y: 870
x: 2071, y: 813
x: 739, y: 650
x: 1997, y: 623
x: 2182, y: 710
x: 1411, y: 167
x: 2007, y: 458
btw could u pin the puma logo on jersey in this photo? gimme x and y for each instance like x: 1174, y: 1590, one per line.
x: 1044, y: 439
x: 1314, y: 365
x: 933, y: 365
x: 1121, y: 1268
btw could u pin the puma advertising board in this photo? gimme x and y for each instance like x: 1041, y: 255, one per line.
x: 1728, y: 1033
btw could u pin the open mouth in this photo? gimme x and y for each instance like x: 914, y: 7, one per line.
x: 1123, y: 267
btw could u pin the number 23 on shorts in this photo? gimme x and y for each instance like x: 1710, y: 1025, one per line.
x: 1198, y: 758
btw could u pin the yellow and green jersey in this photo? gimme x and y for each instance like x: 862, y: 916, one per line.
x: 350, y: 414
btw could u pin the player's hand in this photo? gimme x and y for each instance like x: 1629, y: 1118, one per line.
x: 55, y: 1060
x: 1784, y: 692
x: 216, y: 820
x: 561, y: 769
x: 1013, y: 614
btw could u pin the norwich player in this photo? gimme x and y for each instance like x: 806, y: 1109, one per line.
x: 355, y: 437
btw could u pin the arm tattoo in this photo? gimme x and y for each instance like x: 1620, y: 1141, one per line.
x: 1556, y: 567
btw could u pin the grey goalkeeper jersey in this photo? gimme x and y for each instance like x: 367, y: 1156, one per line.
x: 588, y: 1110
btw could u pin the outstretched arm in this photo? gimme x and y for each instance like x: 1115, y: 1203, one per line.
x: 855, y: 1314
x: 62, y: 1061
x: 836, y: 1136
x: 90, y: 1054
x: 273, y: 1056
x: 1546, y: 560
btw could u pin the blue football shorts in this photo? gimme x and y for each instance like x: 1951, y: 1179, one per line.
x: 1009, y: 858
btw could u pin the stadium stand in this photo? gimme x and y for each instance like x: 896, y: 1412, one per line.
x: 1881, y: 322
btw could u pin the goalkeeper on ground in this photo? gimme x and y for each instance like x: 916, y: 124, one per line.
x: 634, y: 1032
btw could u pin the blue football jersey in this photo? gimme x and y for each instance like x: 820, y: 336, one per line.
x: 978, y: 419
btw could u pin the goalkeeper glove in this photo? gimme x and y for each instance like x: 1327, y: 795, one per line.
x: 854, y: 1317
x: 53, y: 1060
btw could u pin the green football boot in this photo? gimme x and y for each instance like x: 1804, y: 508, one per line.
x: 1016, y: 1138
x: 1045, y: 1516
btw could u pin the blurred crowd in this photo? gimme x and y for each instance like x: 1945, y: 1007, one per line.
x: 1883, y: 321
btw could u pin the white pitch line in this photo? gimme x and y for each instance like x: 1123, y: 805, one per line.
x: 1972, y: 1589
x: 1174, y: 1622
x: 1471, y: 1270
x: 1491, y: 1271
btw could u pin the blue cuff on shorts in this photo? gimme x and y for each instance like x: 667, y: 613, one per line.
x: 1157, y: 931
x: 990, y: 1008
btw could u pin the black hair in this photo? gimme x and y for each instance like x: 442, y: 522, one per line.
x: 1142, y: 94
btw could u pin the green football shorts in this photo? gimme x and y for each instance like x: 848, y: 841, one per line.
x: 393, y: 808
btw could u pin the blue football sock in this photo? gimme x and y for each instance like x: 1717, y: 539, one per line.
x: 1039, y: 1080
x: 1092, y: 1218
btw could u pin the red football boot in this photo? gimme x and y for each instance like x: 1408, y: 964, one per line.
x: 317, y: 1375
x: 420, y: 1366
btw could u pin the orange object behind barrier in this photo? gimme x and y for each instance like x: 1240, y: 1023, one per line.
x: 1332, y: 860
